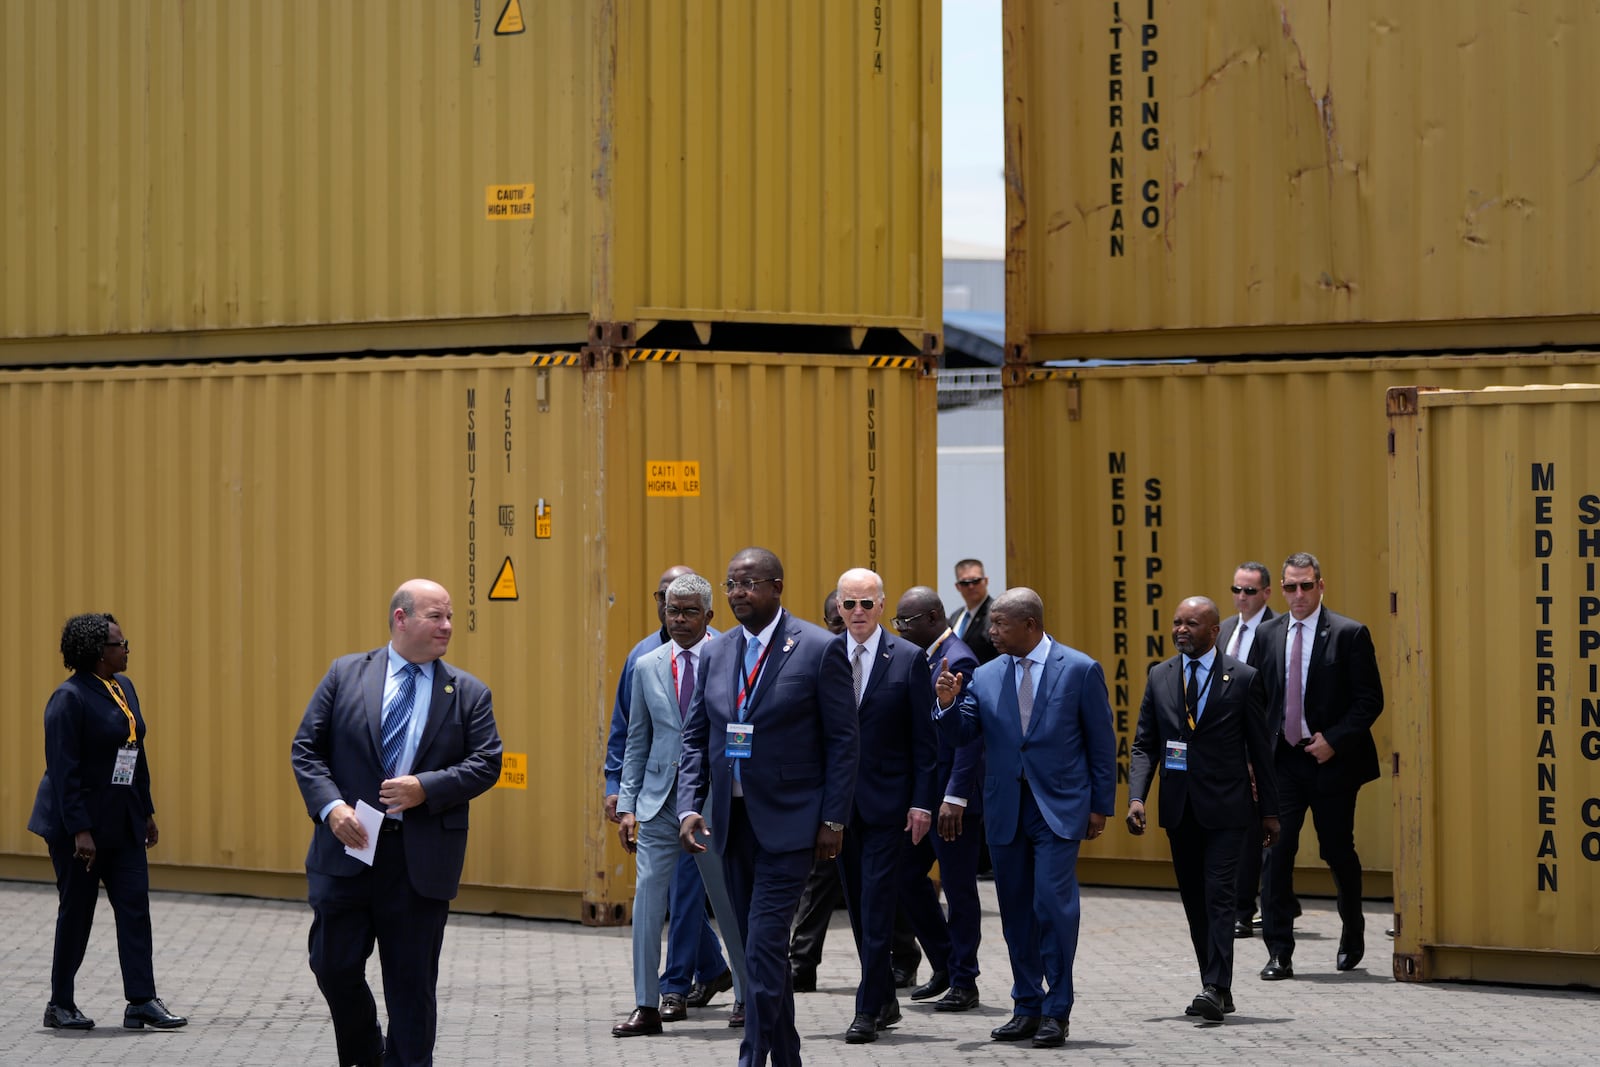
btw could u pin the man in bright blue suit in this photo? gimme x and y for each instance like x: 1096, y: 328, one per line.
x: 771, y: 738
x: 1042, y: 711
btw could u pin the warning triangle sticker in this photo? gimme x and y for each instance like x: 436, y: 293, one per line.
x: 505, y: 583
x: 510, y: 23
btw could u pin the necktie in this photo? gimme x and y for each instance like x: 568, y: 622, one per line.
x: 685, y: 684
x: 397, y: 718
x: 1191, y: 695
x: 752, y: 655
x: 855, y: 671
x: 1294, y: 715
x: 1025, y: 694
x: 1238, y: 640
x: 961, y: 626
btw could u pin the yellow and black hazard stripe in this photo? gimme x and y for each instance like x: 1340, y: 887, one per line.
x: 554, y: 359
x: 654, y: 355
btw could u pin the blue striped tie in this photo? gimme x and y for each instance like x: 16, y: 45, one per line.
x: 397, y: 719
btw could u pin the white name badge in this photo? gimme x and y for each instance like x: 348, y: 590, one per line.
x: 1177, y: 755
x: 122, y: 773
x: 740, y: 737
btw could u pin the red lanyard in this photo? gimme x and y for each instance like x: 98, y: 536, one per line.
x: 750, y: 682
x: 122, y: 702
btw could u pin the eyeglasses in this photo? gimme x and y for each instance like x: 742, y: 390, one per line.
x: 123, y: 644
x: 851, y: 605
x: 661, y: 596
x: 971, y: 581
x: 1304, y: 587
x: 747, y: 584
x: 684, y: 613
x: 837, y: 620
x: 901, y: 622
x: 1245, y: 590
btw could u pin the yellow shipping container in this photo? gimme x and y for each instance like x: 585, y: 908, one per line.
x: 1221, y: 177
x: 248, y: 522
x: 269, y: 177
x: 1494, y: 510
x: 1128, y: 488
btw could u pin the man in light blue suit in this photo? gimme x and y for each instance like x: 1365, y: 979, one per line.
x: 1042, y: 711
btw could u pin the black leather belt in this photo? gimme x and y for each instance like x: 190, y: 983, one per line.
x: 390, y: 826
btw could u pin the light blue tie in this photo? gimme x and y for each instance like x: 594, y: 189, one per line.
x: 397, y: 719
x: 752, y: 655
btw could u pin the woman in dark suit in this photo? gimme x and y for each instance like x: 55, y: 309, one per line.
x: 93, y: 809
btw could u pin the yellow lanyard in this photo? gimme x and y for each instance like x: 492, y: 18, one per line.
x: 122, y: 702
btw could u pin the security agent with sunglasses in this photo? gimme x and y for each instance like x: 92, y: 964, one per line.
x: 971, y: 623
x: 1323, y: 695
x: 772, y: 738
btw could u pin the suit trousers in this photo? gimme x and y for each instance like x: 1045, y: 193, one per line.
x: 765, y: 889
x: 126, y: 875
x: 958, y: 876
x: 1206, y: 864
x: 1036, y: 881
x: 869, y: 870
x: 348, y: 915
x: 1334, y: 815
x: 822, y: 897
x: 693, y: 952
x: 919, y: 900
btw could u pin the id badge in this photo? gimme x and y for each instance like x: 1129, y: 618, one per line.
x: 1177, y: 755
x: 122, y: 773
x: 740, y: 735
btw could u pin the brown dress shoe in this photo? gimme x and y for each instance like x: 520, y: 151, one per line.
x: 642, y: 1022
x: 674, y: 1008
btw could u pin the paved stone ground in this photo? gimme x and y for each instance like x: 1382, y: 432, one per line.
x: 521, y: 992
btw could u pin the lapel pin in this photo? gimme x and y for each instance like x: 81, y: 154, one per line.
x: 449, y: 689
x: 787, y: 645
x: 1224, y: 677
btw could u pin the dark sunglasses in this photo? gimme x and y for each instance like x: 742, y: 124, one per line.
x: 850, y: 605
x: 1304, y: 587
x: 123, y: 644
x: 1247, y: 590
x: 970, y: 581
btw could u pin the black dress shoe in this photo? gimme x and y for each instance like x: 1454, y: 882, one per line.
x: 804, y: 979
x: 905, y: 977
x: 1207, y: 1004
x: 59, y: 1018
x: 1052, y: 1033
x: 701, y: 993
x: 957, y: 999
x: 674, y: 1008
x: 1020, y: 1028
x: 151, y: 1013
x: 642, y: 1022
x: 932, y: 987
x: 1351, y: 949
x: 1276, y: 970
x: 889, y: 1015
x: 1242, y: 928
x: 736, y: 1016
x: 863, y: 1028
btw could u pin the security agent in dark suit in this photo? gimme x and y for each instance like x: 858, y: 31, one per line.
x: 1320, y: 710
x: 971, y: 623
x: 919, y: 617
x: 895, y: 787
x: 771, y: 737
x: 414, y: 737
x: 1202, y: 725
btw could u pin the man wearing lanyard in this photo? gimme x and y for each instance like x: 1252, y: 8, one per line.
x: 1203, y: 724
x: 772, y: 740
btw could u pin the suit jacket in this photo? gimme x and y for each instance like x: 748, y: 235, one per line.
x: 1343, y: 694
x: 1230, y: 735
x: 977, y: 635
x: 83, y: 729
x: 899, y: 744
x: 1068, y: 755
x: 1231, y: 623
x: 802, y: 768
x: 655, y: 735
x: 960, y: 769
x: 617, y: 738
x: 337, y: 755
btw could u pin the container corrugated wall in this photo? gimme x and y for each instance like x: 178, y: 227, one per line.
x: 1217, y: 177
x: 190, y: 180
x: 1128, y: 488
x: 1494, y: 501
x: 247, y: 523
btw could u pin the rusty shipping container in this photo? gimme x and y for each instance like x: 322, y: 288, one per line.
x: 1128, y: 488
x: 247, y: 522
x: 269, y: 177
x: 1224, y: 177
x: 1494, y: 512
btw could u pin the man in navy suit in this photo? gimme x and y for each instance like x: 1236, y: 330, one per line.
x: 1042, y: 711
x: 895, y: 787
x: 772, y: 739
x: 919, y: 617
x: 414, y: 737
x: 1203, y: 724
x: 1323, y: 695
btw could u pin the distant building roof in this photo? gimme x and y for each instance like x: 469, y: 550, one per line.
x: 974, y: 338
x: 969, y: 250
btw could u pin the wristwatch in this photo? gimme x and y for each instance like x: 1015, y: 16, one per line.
x: 836, y: 827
